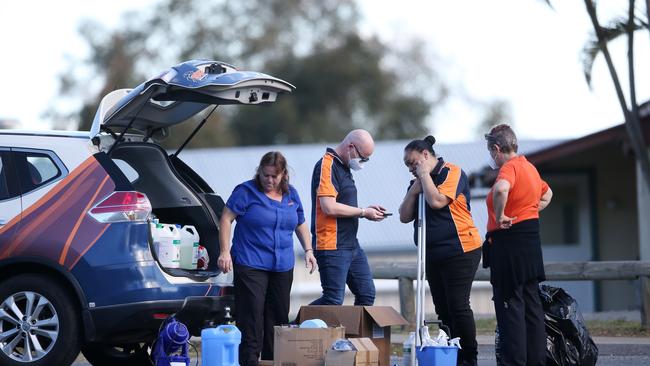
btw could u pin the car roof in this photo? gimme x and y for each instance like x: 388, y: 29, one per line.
x: 51, y: 133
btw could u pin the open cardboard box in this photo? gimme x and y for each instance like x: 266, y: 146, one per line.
x: 366, y: 354
x: 373, y: 322
x: 303, y: 346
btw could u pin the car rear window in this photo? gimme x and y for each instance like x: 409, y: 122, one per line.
x: 127, y: 170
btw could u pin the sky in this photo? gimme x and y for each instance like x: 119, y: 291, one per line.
x: 520, y: 51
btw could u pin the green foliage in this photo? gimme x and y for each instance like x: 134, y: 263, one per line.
x: 344, y: 80
x: 496, y: 112
x: 614, y: 30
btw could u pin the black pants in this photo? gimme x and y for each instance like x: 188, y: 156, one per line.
x: 450, y: 281
x: 522, y: 337
x: 261, y: 302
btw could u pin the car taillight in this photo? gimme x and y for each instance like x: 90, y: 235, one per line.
x: 122, y: 207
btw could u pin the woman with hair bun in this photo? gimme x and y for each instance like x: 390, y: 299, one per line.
x: 452, y: 240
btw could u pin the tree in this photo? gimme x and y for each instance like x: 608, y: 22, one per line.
x: 496, y: 111
x: 599, y: 44
x: 344, y: 80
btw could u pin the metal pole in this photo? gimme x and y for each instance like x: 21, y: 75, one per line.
x: 421, y: 276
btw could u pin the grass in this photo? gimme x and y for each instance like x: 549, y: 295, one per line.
x: 617, y: 328
x: 597, y: 328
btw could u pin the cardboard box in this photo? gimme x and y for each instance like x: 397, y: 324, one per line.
x: 366, y: 354
x: 303, y: 346
x: 340, y: 358
x: 373, y: 322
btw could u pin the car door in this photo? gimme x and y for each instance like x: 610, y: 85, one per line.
x: 10, y: 203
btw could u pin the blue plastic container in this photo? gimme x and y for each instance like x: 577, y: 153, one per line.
x: 437, y: 356
x: 220, y: 346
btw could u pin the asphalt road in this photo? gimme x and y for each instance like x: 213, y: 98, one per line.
x: 612, y: 352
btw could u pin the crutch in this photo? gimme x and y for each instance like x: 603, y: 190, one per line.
x: 421, y: 276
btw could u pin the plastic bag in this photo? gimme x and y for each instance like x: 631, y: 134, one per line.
x: 567, y: 339
x: 343, y: 345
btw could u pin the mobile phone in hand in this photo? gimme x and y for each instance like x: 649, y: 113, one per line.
x: 387, y: 213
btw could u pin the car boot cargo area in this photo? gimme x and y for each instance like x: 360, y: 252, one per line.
x: 177, y: 195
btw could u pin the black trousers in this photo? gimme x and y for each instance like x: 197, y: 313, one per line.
x: 522, y: 336
x: 450, y: 281
x: 261, y: 302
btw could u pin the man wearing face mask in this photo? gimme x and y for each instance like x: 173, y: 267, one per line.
x: 335, y: 220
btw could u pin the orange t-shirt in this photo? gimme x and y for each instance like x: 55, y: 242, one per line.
x: 526, y: 189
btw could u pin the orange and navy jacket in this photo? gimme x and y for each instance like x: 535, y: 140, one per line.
x: 332, y: 178
x: 450, y: 230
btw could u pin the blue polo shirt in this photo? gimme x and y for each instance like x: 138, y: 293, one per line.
x: 263, y: 236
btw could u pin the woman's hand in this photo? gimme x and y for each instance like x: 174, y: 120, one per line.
x: 424, y: 167
x: 505, y: 222
x: 225, y: 262
x: 416, y: 188
x: 310, y: 261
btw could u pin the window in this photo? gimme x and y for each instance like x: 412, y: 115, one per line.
x: 4, y: 189
x: 37, y: 168
x: 127, y: 170
x: 560, y: 221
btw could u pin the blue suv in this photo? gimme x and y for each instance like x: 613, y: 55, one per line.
x: 77, y: 266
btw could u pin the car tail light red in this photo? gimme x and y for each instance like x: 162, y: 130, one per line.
x: 122, y: 206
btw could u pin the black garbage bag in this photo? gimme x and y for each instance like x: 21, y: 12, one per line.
x: 567, y: 340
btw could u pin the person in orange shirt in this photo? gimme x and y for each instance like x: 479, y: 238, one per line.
x: 452, y: 241
x: 513, y: 250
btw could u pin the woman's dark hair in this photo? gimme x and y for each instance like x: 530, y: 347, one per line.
x: 276, y: 160
x: 421, y: 145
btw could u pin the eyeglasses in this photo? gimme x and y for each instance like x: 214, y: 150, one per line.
x: 363, y: 158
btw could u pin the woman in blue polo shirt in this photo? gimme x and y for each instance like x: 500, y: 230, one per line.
x: 268, y: 211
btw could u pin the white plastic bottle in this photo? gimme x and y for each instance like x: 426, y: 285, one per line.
x: 156, y: 232
x: 169, y: 248
x: 189, y: 247
x: 407, y: 348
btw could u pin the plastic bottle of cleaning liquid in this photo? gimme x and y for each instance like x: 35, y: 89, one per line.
x: 156, y: 230
x: 189, y: 247
x: 408, y: 347
x: 169, y: 248
x: 220, y: 346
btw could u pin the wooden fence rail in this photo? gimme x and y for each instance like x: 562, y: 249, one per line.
x: 405, y: 272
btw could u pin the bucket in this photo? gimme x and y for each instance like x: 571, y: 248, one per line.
x: 437, y: 356
x: 189, y: 251
x: 220, y: 346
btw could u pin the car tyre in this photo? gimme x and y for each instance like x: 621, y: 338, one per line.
x: 102, y: 354
x: 39, y: 322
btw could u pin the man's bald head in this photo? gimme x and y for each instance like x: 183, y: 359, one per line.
x: 362, y: 140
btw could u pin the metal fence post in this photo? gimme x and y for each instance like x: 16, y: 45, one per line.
x: 645, y: 301
x: 407, y: 299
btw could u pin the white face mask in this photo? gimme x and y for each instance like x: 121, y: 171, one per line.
x: 355, y: 163
x: 492, y: 162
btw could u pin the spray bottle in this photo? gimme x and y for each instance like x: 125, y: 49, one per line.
x: 407, y: 348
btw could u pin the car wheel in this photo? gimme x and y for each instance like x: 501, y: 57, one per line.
x: 39, y: 323
x: 101, y: 354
